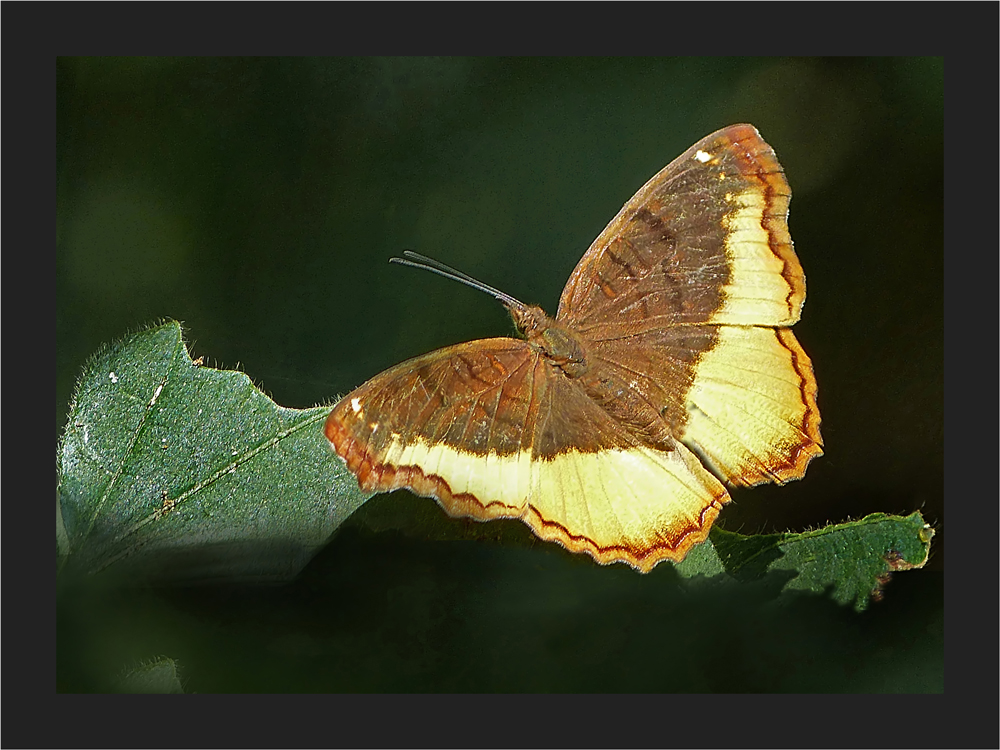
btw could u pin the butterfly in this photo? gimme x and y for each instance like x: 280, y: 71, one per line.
x: 669, y: 368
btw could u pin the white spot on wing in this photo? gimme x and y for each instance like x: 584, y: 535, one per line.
x: 703, y: 156
x: 356, y: 404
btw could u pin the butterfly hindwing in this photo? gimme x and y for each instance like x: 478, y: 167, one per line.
x: 598, y: 489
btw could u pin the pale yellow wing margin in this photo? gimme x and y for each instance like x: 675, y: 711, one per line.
x: 638, y: 506
x: 752, y: 410
x: 705, y: 240
x: 614, y: 498
x: 766, y: 285
x: 454, y: 425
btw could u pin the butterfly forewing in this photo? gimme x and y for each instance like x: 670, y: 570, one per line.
x: 704, y: 241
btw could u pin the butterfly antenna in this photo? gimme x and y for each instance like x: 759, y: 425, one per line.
x: 416, y: 260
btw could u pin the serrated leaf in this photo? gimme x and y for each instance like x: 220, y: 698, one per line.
x: 852, y: 560
x: 189, y: 472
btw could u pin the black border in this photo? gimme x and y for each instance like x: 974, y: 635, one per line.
x: 964, y: 716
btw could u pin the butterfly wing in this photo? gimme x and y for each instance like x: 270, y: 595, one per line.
x: 687, y: 296
x: 492, y: 430
x: 453, y: 424
x: 597, y: 488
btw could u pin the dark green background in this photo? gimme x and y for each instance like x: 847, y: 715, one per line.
x: 258, y: 200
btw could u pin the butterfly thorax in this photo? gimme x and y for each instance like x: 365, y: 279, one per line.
x: 566, y: 350
x: 562, y: 346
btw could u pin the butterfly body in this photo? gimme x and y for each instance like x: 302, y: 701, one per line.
x: 671, y: 342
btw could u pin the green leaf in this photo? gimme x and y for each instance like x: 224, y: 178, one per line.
x: 853, y: 560
x: 702, y: 560
x: 187, y: 472
x: 159, y: 676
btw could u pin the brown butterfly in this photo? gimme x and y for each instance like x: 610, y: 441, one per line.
x: 672, y: 339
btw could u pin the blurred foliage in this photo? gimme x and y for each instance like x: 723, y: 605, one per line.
x: 158, y: 675
x: 257, y: 200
